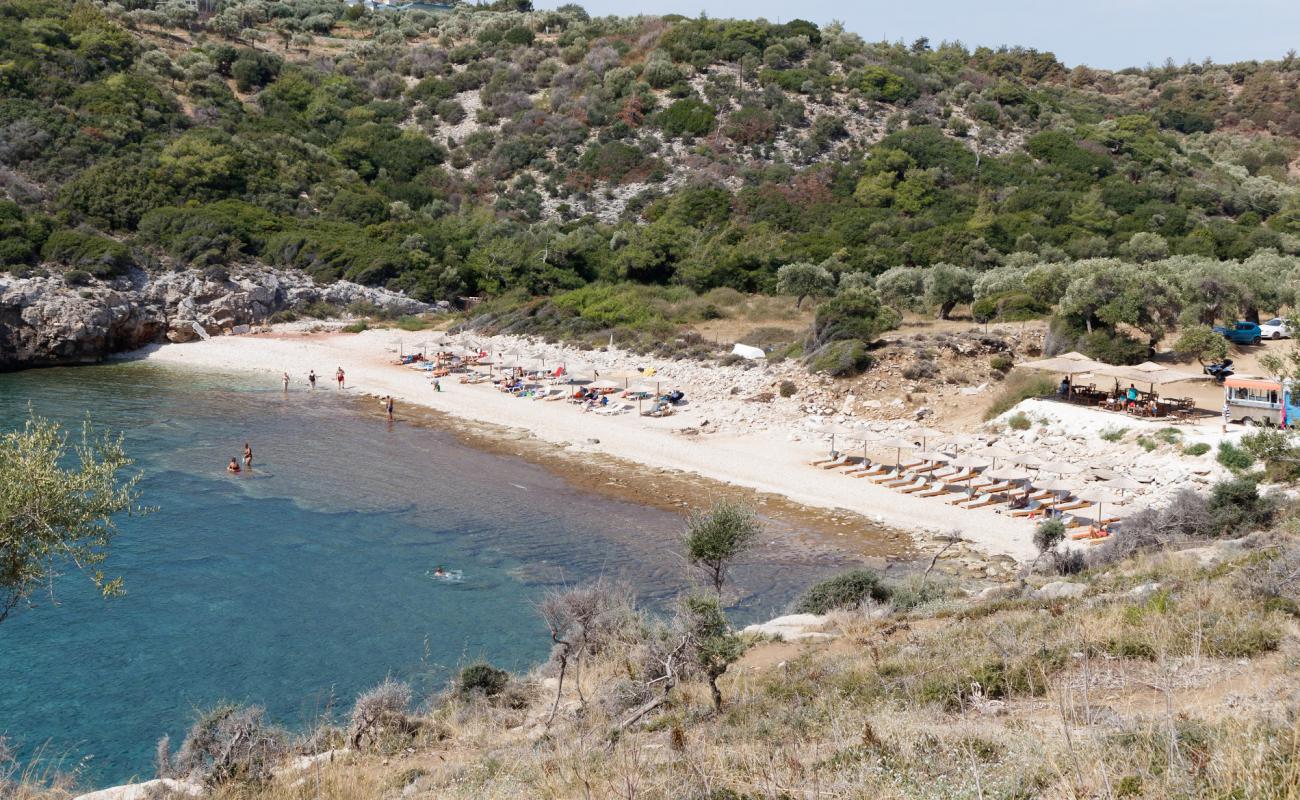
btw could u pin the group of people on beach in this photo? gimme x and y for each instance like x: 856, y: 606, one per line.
x: 311, y: 379
x: 234, y: 468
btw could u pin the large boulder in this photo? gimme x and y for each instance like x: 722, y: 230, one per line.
x: 45, y: 322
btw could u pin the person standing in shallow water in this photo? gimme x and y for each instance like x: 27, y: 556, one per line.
x: 248, y: 456
x: 311, y: 378
x: 388, y: 405
x: 338, y: 374
x: 286, y: 382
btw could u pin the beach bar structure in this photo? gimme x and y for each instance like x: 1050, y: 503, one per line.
x: 1079, y: 384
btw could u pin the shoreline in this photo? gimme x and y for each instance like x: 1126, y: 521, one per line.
x: 860, y: 516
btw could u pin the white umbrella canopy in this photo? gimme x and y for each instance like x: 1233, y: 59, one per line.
x: 833, y: 430
x: 642, y: 388
x: 969, y: 462
x: 1122, y: 484
x: 1027, y: 461
x: 1098, y: 494
x: 1060, y: 467
x: 927, y: 434
x: 1104, y: 474
x: 898, y: 444
x: 1009, y: 474
x: 603, y: 384
x: 1055, y: 485
x: 932, y: 455
x: 993, y: 453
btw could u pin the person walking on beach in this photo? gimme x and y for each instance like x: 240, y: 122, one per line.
x: 339, y: 375
x: 286, y: 382
x: 437, y: 385
x: 248, y: 456
x: 1227, y: 417
x: 311, y: 378
x: 388, y: 405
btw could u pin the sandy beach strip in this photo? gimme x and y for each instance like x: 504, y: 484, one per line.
x: 766, y: 460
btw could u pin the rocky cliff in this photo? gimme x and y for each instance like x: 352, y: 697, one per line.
x: 46, y: 322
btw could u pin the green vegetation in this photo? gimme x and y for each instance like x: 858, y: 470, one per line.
x: 58, y: 500
x: 717, y: 537
x: 1235, y: 458
x: 847, y: 590
x: 1122, y: 204
x: 1196, y: 449
x: 1020, y: 386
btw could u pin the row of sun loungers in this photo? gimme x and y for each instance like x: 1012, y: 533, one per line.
x: 935, y: 479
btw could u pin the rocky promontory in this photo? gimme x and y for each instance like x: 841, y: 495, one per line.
x: 45, y: 321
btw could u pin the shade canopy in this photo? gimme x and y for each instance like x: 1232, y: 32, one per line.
x: 1122, y: 484
x: 1055, y: 485
x: 931, y: 455
x: 969, y: 462
x: 1009, y: 474
x: 1150, y: 373
x: 602, y: 384
x: 1067, y: 364
x: 1098, y: 494
x: 1027, y: 461
x: 1060, y: 467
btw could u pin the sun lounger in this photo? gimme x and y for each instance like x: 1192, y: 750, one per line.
x: 927, y: 468
x: 966, y: 497
x: 1071, y: 506
x: 851, y: 461
x: 890, y: 475
x: 935, y: 491
x: 916, y: 486
x: 984, y: 500
x: 872, y: 471
x: 824, y: 462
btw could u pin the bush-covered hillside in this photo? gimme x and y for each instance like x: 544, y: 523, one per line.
x: 496, y: 147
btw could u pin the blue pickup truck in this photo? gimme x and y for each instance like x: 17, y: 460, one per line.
x: 1240, y: 332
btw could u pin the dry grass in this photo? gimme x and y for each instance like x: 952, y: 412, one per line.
x: 1181, y: 691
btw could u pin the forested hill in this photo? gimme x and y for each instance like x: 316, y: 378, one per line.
x: 494, y: 148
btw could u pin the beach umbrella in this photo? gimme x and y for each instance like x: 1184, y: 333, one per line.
x: 1009, y: 474
x: 832, y: 430
x: 1027, y: 461
x: 1104, y: 474
x: 994, y: 453
x: 1099, y: 496
x: 1122, y: 484
x: 1055, y: 485
x: 623, y: 375
x: 899, y: 444
x: 1060, y: 467
x: 602, y: 385
x: 927, y: 434
x: 931, y: 455
x: 968, y: 462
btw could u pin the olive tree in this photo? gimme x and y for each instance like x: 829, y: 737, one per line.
x: 717, y: 537
x: 710, y: 644
x: 946, y: 286
x: 802, y: 280
x: 1202, y: 343
x: 902, y: 287
x: 58, y: 500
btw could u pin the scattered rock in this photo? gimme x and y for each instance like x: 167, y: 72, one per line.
x: 1060, y: 590
x: 143, y: 791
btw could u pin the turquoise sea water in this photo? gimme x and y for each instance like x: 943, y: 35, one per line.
x: 305, y: 582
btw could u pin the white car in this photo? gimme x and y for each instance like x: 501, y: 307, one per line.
x: 1275, y: 328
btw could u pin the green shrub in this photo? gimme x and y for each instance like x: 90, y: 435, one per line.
x: 1113, y: 434
x: 1114, y: 348
x: 848, y: 590
x: 687, y: 117
x: 1234, y: 458
x: 1236, y: 506
x: 1146, y: 443
x: 1012, y: 306
x: 841, y: 359
x: 77, y: 277
x: 1001, y: 363
x: 1048, y: 534
x: 356, y: 327
x: 410, y: 323
x: 787, y: 389
x: 1196, y: 449
x: 1019, y: 421
x: 98, y: 255
x: 1169, y: 435
x: 1020, y: 386
x: 482, y: 678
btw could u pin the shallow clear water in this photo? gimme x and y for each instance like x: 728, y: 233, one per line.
x: 304, y: 583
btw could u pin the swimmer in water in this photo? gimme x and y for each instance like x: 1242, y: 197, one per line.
x: 439, y: 572
x: 248, y: 456
x: 233, y: 466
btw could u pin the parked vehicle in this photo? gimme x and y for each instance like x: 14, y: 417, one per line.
x: 1240, y: 332
x: 1275, y: 328
x: 1261, y: 401
x: 1220, y: 370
